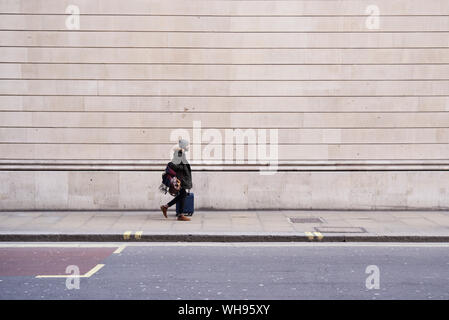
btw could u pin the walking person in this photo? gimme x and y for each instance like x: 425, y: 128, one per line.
x: 181, y: 182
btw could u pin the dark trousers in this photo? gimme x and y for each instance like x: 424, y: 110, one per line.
x: 181, y: 197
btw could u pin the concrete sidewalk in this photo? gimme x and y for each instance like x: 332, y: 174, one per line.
x: 235, y: 226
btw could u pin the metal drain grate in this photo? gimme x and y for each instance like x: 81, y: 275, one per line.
x: 330, y: 229
x: 306, y: 220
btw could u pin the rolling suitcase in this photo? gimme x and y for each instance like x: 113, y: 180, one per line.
x: 188, y: 205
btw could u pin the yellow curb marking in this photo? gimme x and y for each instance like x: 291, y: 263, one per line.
x: 126, y: 235
x: 309, y: 235
x: 138, y: 235
x: 120, y: 249
x: 87, y: 275
x: 319, y: 235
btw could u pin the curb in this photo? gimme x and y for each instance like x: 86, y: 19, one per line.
x: 215, y: 238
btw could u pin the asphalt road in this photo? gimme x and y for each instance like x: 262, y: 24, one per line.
x: 225, y: 271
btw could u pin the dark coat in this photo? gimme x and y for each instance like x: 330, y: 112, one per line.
x: 182, y: 169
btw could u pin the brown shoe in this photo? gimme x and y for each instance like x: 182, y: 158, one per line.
x: 182, y: 217
x: 164, y: 210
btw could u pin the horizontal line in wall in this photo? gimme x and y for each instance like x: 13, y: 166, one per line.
x: 223, y: 80
x: 69, y: 161
x: 223, y: 144
x: 299, y: 169
x: 218, y: 15
x: 214, y: 48
x: 215, y: 112
x: 159, y: 165
x: 216, y: 127
x: 228, y: 64
x: 216, y: 32
x: 319, y: 98
x: 232, y: 112
x: 163, y: 162
x: 375, y: 209
x: 342, y: 1
x: 212, y: 96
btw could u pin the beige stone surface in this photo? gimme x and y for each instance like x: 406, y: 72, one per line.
x: 167, y: 55
x: 93, y: 190
x: 223, y: 40
x: 223, y: 24
x: 135, y: 70
x: 223, y: 72
x: 411, y: 224
x: 286, y: 136
x: 222, y: 104
x: 274, y: 7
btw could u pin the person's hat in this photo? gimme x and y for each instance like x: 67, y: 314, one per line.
x: 183, y: 144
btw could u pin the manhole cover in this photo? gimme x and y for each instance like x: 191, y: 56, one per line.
x: 330, y: 229
x: 306, y: 220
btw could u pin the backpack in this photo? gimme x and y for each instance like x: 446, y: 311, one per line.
x: 166, y: 185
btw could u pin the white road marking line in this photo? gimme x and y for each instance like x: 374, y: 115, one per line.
x: 59, y: 245
x: 288, y: 244
x: 87, y: 275
x: 227, y: 244
x: 93, y: 270
x: 120, y: 249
